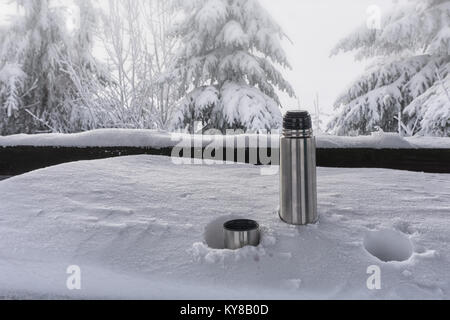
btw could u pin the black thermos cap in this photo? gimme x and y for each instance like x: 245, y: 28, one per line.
x: 297, y: 120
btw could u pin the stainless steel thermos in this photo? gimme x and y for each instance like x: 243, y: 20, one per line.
x: 298, y: 181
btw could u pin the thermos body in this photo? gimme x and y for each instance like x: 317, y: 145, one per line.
x: 298, y: 180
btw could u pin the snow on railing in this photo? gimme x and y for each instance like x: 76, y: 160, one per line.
x: 161, y: 139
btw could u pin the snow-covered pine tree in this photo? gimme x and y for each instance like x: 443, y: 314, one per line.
x: 408, y: 77
x: 84, y: 42
x: 227, y: 65
x: 29, y: 53
x: 36, y: 94
x: 85, y: 98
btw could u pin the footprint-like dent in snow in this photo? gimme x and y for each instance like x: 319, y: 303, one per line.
x: 388, y: 245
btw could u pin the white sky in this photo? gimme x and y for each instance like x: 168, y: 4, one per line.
x: 314, y: 26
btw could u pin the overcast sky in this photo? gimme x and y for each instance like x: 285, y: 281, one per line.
x: 314, y: 26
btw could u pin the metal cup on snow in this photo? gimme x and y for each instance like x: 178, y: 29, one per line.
x: 241, y: 233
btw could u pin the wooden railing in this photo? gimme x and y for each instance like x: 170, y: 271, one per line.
x: 19, y: 160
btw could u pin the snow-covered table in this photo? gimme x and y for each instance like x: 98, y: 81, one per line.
x: 139, y: 227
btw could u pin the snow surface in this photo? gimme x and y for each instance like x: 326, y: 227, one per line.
x: 139, y: 227
x: 161, y: 139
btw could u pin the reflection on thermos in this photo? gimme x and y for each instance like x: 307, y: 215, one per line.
x: 298, y: 182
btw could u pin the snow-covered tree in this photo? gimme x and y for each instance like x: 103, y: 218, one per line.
x: 158, y: 20
x: 227, y: 65
x: 138, y: 51
x: 36, y: 93
x: 28, y: 60
x: 84, y: 98
x: 403, y: 90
